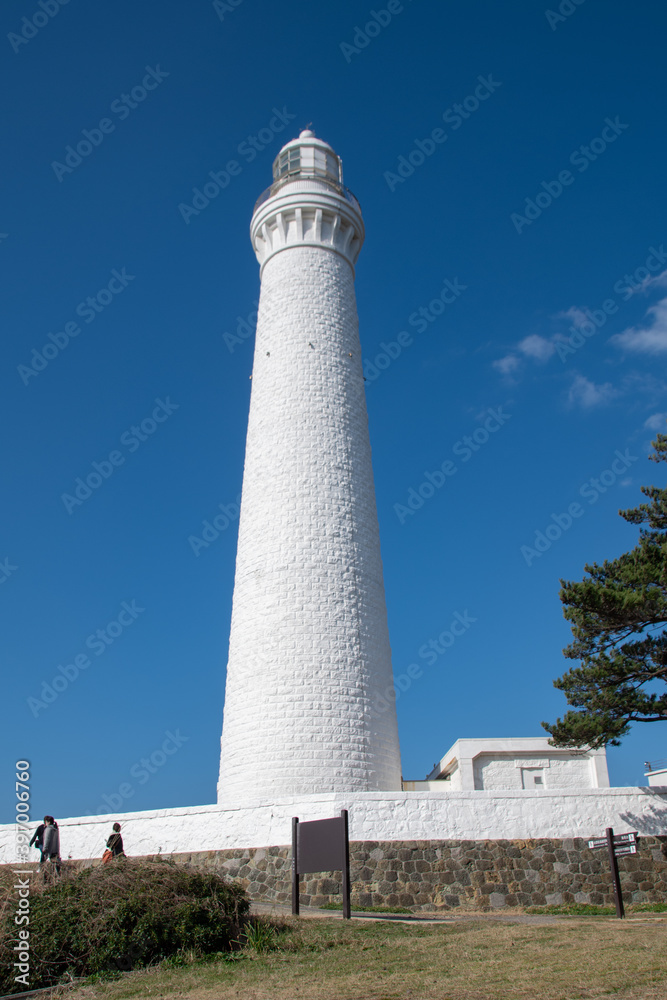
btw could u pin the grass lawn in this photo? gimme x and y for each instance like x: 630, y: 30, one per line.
x: 478, y: 959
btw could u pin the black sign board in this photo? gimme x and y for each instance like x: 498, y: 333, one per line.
x: 321, y: 846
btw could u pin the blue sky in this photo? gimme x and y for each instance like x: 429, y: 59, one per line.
x: 528, y: 227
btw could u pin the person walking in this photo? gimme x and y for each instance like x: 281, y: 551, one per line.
x: 38, y: 839
x: 115, y: 843
x: 51, y: 844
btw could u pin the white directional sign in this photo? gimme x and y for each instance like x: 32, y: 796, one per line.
x: 627, y: 849
x: 620, y: 840
x: 625, y: 838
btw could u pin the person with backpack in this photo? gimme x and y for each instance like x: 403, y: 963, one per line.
x: 114, y: 845
x: 51, y: 843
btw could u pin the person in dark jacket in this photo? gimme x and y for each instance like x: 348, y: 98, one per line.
x: 38, y: 839
x: 115, y: 842
x: 51, y: 846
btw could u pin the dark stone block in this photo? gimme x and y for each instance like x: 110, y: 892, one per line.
x: 328, y: 887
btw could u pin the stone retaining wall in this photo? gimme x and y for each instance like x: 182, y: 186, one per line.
x: 443, y: 874
x: 447, y: 874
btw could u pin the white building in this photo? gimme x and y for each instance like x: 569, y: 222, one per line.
x: 513, y: 764
x: 656, y: 772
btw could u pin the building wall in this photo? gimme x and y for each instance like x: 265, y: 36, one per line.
x: 518, y: 762
x: 497, y: 771
x: 455, y: 782
x: 377, y: 816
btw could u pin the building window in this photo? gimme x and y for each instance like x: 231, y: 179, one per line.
x: 309, y: 161
x: 532, y: 777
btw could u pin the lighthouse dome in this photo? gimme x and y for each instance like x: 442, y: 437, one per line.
x: 308, y: 156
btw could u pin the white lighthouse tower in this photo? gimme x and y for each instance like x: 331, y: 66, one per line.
x: 309, y: 658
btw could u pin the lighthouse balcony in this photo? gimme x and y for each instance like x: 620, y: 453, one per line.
x: 306, y: 184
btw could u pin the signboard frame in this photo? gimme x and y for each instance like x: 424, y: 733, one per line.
x: 321, y: 845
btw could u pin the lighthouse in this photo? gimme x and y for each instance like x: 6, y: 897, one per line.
x: 308, y: 701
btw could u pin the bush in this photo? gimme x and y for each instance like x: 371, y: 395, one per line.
x: 122, y: 916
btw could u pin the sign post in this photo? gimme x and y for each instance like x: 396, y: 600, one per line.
x: 618, y: 895
x: 617, y: 846
x: 295, y: 873
x: 346, y: 866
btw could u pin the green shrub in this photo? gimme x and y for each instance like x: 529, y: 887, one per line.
x: 122, y: 916
x: 260, y: 935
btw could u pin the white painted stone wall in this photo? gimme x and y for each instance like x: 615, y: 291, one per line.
x: 496, y: 771
x: 455, y: 782
x: 309, y: 650
x: 494, y: 764
x: 507, y: 815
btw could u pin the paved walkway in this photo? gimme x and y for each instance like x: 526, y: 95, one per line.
x: 451, y: 916
x: 421, y: 917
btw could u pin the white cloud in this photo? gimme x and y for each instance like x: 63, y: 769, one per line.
x: 658, y: 280
x: 575, y: 315
x: 507, y: 365
x: 656, y: 422
x: 587, y: 394
x: 649, y: 338
x: 536, y: 347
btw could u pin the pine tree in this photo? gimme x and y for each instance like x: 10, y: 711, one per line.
x: 618, y: 614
